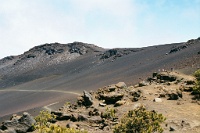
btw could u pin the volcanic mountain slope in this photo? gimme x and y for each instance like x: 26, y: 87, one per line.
x: 55, y: 72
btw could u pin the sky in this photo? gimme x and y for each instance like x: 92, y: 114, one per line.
x: 106, y: 23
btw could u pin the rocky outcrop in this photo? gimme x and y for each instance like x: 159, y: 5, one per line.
x: 110, y: 94
x: 175, y: 49
x: 184, y: 45
x: 111, y: 98
x: 86, y: 99
x: 19, y: 124
x: 113, y: 54
x: 166, y: 77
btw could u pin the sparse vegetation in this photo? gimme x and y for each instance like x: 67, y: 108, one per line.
x: 42, y: 120
x: 44, y: 126
x: 196, y: 89
x: 109, y: 113
x: 67, y: 104
x: 140, y: 121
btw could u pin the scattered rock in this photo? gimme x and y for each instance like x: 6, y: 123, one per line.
x: 111, y: 88
x: 102, y: 104
x: 174, y: 95
x: 22, y: 125
x: 164, y: 76
x: 137, y: 105
x: 135, y: 95
x: 95, y: 119
x: 188, y: 88
x: 109, y: 54
x: 143, y: 83
x: 31, y: 56
x: 57, y: 113
x: 172, y: 129
x: 116, y: 53
x: 72, y: 125
x: 121, y: 85
x: 94, y: 112
x: 74, y: 117
x: 8, y: 131
x: 158, y: 100
x: 177, y: 48
x: 63, y: 117
x: 190, y: 82
x: 82, y: 117
x: 106, y: 128
x: 154, y: 74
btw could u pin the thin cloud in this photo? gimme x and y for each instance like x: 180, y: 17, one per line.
x: 110, y: 23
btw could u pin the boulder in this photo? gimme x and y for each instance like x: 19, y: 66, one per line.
x: 121, y: 85
x: 120, y: 103
x: 111, y: 98
x: 174, y: 95
x: 88, y: 100
x: 22, y: 125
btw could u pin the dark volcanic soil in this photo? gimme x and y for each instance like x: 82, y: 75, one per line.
x: 78, y: 66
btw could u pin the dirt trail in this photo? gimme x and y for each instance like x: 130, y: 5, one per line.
x: 57, y: 91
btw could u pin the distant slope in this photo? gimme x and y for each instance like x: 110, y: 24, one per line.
x: 78, y: 66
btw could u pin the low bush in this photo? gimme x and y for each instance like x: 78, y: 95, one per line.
x: 140, y: 121
x: 109, y: 113
x: 43, y: 124
x: 196, y: 88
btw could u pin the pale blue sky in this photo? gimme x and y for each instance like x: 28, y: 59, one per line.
x: 106, y: 23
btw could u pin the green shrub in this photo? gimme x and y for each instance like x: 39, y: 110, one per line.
x: 42, y: 120
x: 44, y: 126
x: 197, y: 74
x: 109, y: 113
x: 140, y: 121
x: 196, y: 89
x: 54, y: 128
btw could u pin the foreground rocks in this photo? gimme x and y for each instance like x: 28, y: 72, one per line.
x: 18, y: 124
x: 162, y: 92
x: 168, y: 93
